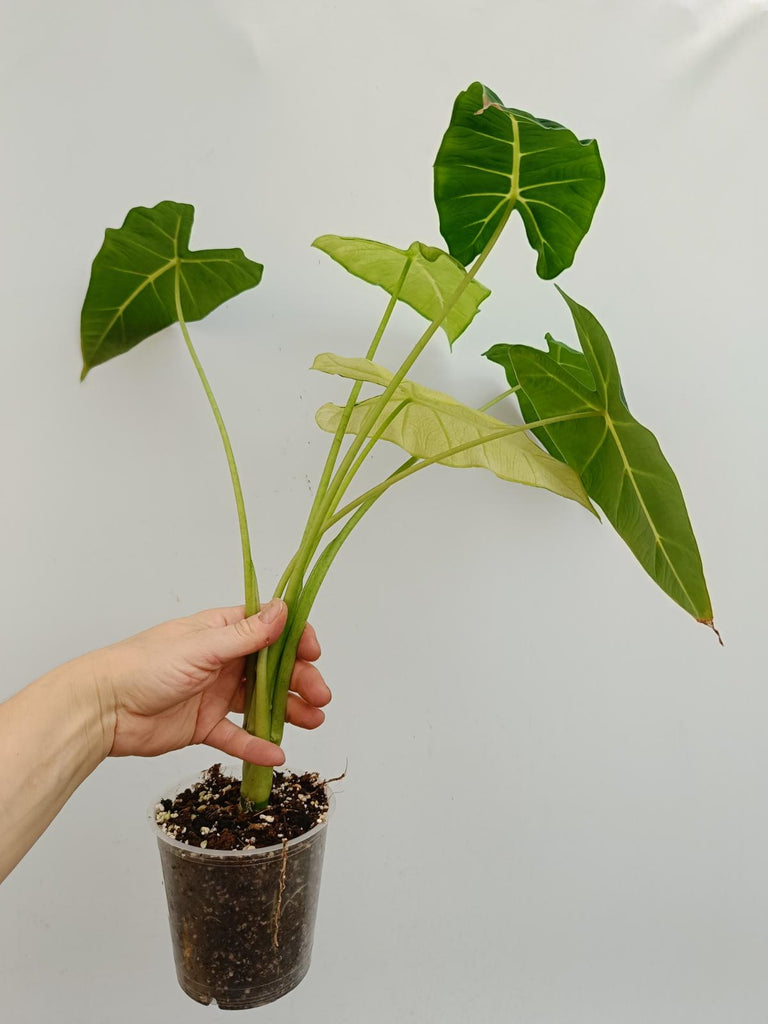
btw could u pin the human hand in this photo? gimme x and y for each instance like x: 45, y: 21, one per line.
x: 174, y: 684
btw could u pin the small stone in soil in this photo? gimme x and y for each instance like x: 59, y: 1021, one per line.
x: 211, y: 809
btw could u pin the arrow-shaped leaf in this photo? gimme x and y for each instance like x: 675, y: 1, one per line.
x: 425, y: 422
x: 131, y: 294
x: 569, y: 358
x: 494, y: 159
x: 432, y: 278
x: 618, y: 459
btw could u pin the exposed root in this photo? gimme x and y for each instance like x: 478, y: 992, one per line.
x: 336, y: 778
x: 280, y: 891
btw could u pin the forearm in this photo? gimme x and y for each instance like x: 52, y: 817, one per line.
x: 53, y: 734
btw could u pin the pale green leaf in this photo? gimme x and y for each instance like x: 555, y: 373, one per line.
x: 353, y: 368
x: 432, y: 278
x: 429, y: 422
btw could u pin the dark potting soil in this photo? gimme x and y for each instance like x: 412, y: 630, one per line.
x: 209, y: 815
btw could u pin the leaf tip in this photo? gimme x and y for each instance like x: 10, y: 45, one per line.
x: 710, y: 623
x: 321, y: 242
x: 490, y: 99
x: 84, y: 372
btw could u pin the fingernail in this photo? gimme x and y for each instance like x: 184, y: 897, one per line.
x: 271, y: 611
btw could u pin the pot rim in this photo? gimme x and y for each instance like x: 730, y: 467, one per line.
x: 256, y: 851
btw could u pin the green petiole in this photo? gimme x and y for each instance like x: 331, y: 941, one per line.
x: 257, y: 703
x: 498, y: 398
x: 250, y: 582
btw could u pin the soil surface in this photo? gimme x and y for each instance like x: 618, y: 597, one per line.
x: 209, y: 815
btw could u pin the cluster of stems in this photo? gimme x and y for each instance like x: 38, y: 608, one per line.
x: 268, y: 674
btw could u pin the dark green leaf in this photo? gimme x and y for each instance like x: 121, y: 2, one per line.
x: 619, y: 461
x: 569, y: 358
x: 131, y: 294
x: 494, y: 159
x: 433, y: 276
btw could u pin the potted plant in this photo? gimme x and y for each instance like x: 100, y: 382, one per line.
x: 577, y: 439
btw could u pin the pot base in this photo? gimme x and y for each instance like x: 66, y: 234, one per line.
x: 247, y: 999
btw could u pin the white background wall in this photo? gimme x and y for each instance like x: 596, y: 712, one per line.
x: 555, y: 808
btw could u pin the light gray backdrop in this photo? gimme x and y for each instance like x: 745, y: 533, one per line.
x: 555, y: 807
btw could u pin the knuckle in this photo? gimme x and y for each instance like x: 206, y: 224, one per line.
x: 243, y: 629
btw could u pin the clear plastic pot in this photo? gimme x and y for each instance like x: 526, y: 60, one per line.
x: 242, y: 921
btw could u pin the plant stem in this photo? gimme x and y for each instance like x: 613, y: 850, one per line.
x: 256, y: 786
x: 374, y: 438
x: 300, y: 616
x: 283, y: 581
x: 249, y: 575
x: 338, y: 437
x: 292, y: 579
x: 498, y: 398
x: 257, y: 719
x: 357, y: 385
x: 401, y: 474
x: 335, y: 487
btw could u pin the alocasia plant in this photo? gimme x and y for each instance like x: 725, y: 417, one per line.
x: 578, y: 438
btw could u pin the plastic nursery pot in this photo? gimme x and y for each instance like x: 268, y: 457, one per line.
x: 242, y: 921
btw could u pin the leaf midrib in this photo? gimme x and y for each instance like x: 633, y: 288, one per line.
x: 659, y: 539
x: 514, y: 195
x: 149, y: 279
x: 602, y: 380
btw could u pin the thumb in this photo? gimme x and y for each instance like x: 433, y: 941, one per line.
x: 247, y: 635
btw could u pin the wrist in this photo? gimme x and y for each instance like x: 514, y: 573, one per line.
x: 104, y: 700
x: 90, y: 699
